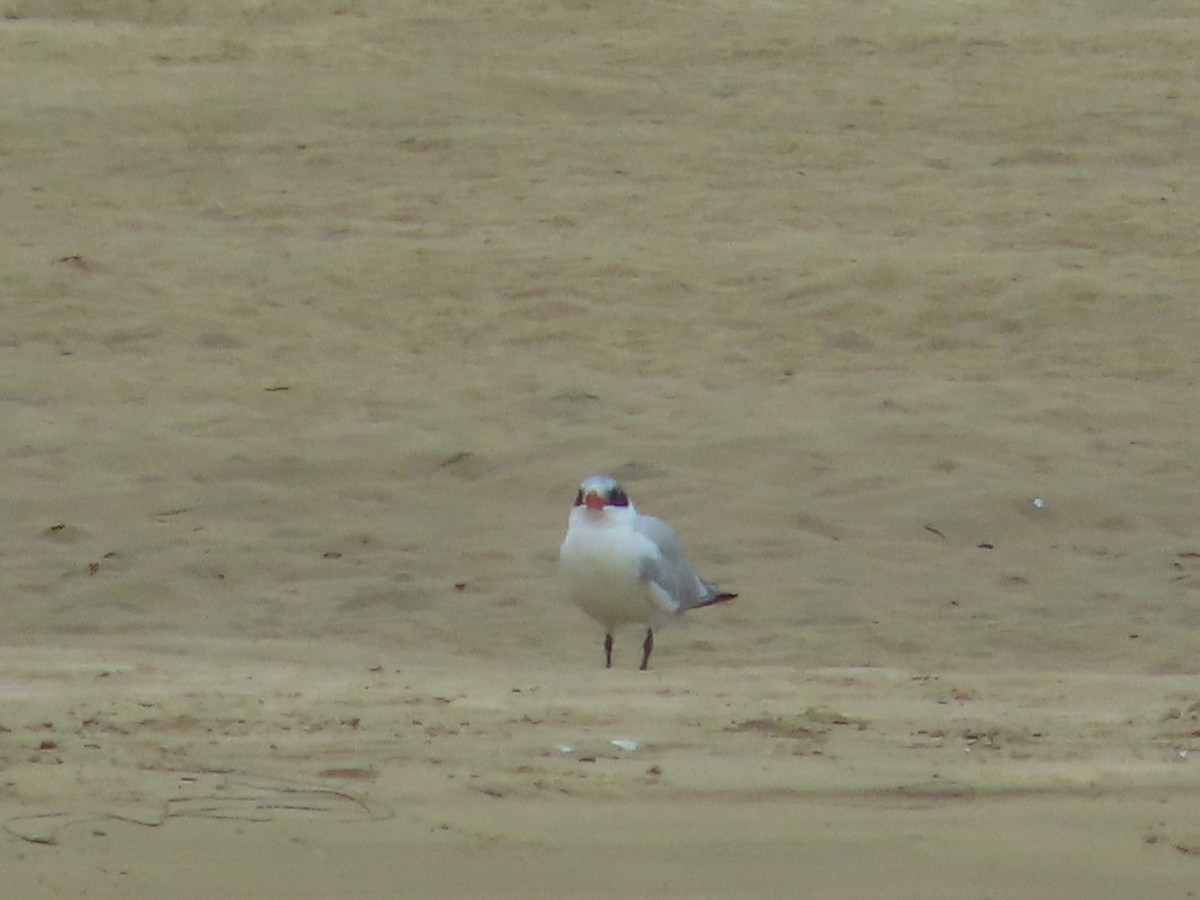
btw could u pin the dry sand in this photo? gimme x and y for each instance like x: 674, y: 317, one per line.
x: 314, y: 313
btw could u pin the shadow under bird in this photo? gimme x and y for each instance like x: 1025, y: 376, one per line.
x: 622, y: 568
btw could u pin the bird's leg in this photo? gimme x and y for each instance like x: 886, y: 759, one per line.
x: 647, y: 646
x: 608, y: 651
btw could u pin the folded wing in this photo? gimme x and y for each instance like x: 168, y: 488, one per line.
x: 666, y: 569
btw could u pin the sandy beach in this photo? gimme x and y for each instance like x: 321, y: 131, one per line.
x: 315, y: 312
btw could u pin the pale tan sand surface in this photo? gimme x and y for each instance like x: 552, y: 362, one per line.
x: 312, y: 315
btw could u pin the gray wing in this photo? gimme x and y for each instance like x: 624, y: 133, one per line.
x: 678, y: 586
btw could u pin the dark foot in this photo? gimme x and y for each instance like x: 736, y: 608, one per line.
x: 608, y: 651
x: 647, y: 646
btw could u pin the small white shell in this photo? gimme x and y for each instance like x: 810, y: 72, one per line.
x: 624, y: 744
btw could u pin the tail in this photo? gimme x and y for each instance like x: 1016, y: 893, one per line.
x: 713, y: 595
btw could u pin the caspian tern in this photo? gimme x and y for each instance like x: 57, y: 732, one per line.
x: 622, y: 568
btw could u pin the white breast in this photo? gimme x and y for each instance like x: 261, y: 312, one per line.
x: 601, y: 567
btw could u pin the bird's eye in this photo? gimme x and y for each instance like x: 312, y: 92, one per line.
x: 579, y: 498
x: 616, y: 497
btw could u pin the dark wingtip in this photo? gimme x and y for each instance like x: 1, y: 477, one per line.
x: 723, y: 597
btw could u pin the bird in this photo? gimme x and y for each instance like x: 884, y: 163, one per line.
x: 622, y: 568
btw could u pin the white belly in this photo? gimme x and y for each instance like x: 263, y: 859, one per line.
x: 601, y: 571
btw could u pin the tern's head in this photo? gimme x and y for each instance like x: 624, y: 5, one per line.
x: 600, y: 492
